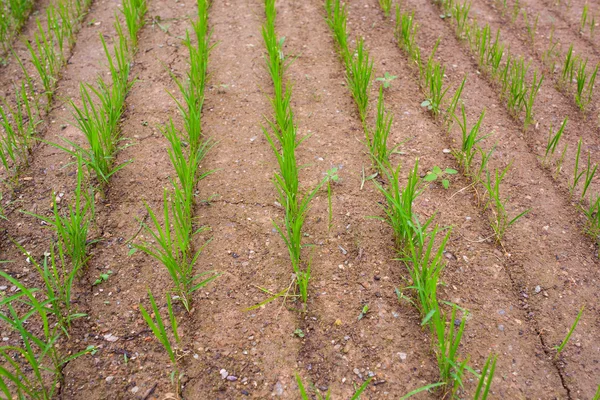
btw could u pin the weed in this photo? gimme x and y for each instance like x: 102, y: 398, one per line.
x: 363, y: 312
x: 562, y: 345
x: 102, y: 278
x: 386, y: 80
x: 437, y: 173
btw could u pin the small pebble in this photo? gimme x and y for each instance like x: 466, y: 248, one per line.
x: 232, y: 378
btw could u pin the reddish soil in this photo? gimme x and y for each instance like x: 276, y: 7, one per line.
x: 521, y: 297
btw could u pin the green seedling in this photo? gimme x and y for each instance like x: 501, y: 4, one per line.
x: 592, y: 213
x: 364, y: 311
x: 134, y: 12
x: 460, y: 12
x: 470, y: 140
x: 531, y: 27
x: 497, y: 204
x: 553, y: 139
x: 434, y: 81
x: 530, y: 99
x: 376, y: 139
x: 485, y: 379
x: 584, y: 16
x: 46, y: 61
x: 170, y: 342
x: 576, y: 173
x: 102, y: 278
x: 406, y: 35
x: 73, y: 227
x: 562, y: 345
x: 386, y: 80
x: 437, y: 173
x: 305, y: 396
x: 171, y: 246
x: 332, y: 177
x: 337, y: 16
x: 33, y: 369
x: 386, y: 6
x: 298, y: 333
x: 450, y: 112
x: 585, y: 85
x: 358, y: 76
x: 568, y: 69
x: 590, y: 172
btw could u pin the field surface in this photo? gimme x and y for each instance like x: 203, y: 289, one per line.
x: 517, y: 293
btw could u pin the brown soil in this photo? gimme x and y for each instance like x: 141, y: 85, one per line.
x: 521, y: 297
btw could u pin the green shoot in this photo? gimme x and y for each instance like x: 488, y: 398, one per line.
x: 377, y: 138
x: 406, y: 35
x: 584, y: 15
x: 159, y: 328
x: 386, y: 6
x: 450, y: 112
x: 437, y: 173
x: 434, y: 80
x: 470, y: 139
x: 500, y: 221
x: 337, y: 16
x: 358, y: 75
x: 386, y: 80
x: 170, y: 246
x: 553, y: 139
x: 134, y: 12
x: 331, y: 176
x: 485, y: 380
x: 305, y: 396
x: 560, y: 347
x: 590, y: 172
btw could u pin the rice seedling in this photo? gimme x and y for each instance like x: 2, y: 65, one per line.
x: 562, y: 345
x: 46, y: 60
x: 584, y: 93
x: 58, y: 278
x: 337, y: 16
x: 99, y: 119
x: 331, y: 176
x: 517, y: 87
x: 376, y: 139
x: 590, y: 172
x: 72, y: 228
x: 425, y: 388
x: 497, y: 204
x: 551, y: 54
x: 460, y: 12
x: 358, y: 76
x: 171, y: 244
x: 451, y: 110
x: 171, y: 341
x: 406, y: 35
x: 14, y: 13
x: 576, y: 173
x: 470, y: 139
x: 568, y: 69
x: 386, y: 6
x: 434, y: 83
x: 532, y: 93
x: 516, y: 11
x: 134, y: 12
x: 597, y: 395
x: 485, y: 379
x: 584, y: 16
x: 305, y: 396
x: 531, y: 27
x: 399, y: 207
x: 33, y: 369
x: 553, y: 139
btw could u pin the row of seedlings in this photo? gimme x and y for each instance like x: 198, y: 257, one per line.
x: 584, y: 172
x: 509, y: 72
x: 420, y: 245
x: 281, y: 134
x: 575, y: 78
x: 431, y: 76
x: 42, y: 317
x: 171, y: 243
x: 21, y: 116
x: 13, y: 15
x: 473, y: 161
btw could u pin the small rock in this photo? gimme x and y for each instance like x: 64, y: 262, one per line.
x: 402, y: 356
x: 501, y: 328
x: 109, y: 379
x: 538, y: 289
x: 110, y: 338
x: 232, y: 378
x: 446, y: 151
x: 278, y: 389
x: 223, y: 373
x: 135, y: 389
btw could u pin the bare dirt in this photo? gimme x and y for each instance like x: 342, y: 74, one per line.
x: 522, y: 297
